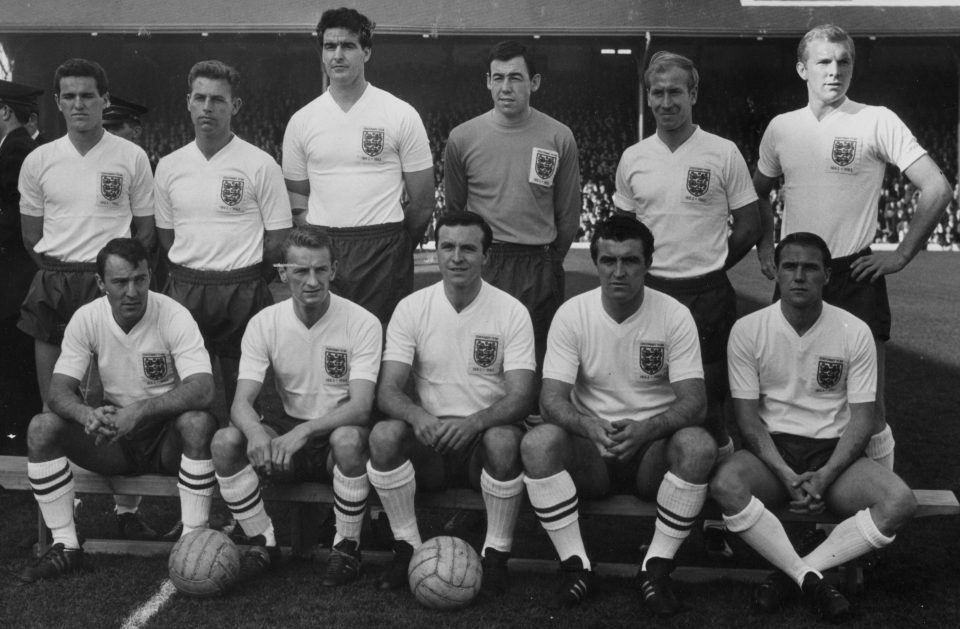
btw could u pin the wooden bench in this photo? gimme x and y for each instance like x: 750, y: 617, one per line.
x: 13, y: 476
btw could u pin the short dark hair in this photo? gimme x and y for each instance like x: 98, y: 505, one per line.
x: 130, y: 249
x: 350, y: 19
x: 804, y: 239
x: 663, y: 60
x: 217, y: 70
x: 81, y: 68
x: 308, y: 237
x: 827, y: 32
x: 457, y: 219
x: 511, y: 49
x: 619, y: 228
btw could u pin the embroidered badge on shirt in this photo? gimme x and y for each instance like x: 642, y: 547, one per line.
x: 335, y: 362
x: 844, y: 155
x: 111, y: 186
x: 231, y: 190
x: 543, y: 166
x: 154, y: 367
x: 486, y: 354
x: 829, y: 372
x: 372, y: 141
x: 651, y: 358
x: 698, y: 181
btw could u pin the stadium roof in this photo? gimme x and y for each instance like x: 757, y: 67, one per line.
x: 489, y: 17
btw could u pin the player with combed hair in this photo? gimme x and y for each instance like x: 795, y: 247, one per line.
x: 157, y: 385
x: 468, y: 348
x: 803, y: 382
x: 832, y: 155
x: 76, y: 194
x: 520, y: 170
x: 325, y: 355
x: 623, y: 397
x: 222, y: 212
x: 349, y: 159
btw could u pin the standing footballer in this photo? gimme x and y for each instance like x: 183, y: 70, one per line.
x: 348, y: 158
x: 832, y: 155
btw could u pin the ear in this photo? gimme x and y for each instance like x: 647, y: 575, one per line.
x: 282, y: 272
x: 366, y: 54
x: 694, y: 92
x: 489, y: 81
x: 333, y: 270
x: 534, y: 82
x: 237, y: 104
x: 101, y: 285
x: 826, y: 275
x: 802, y: 70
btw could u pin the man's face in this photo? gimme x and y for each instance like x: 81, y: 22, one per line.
x: 126, y: 286
x: 124, y: 130
x: 621, y: 268
x: 801, y: 275
x: 343, y: 57
x: 827, y: 70
x: 81, y: 105
x: 460, y: 255
x: 511, y: 85
x: 670, y: 99
x: 308, y: 275
x: 211, y: 105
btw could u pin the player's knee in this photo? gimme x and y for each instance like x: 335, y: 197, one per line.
x: 694, y: 450
x: 501, y: 448
x: 44, y: 430
x: 386, y: 438
x: 728, y: 488
x: 227, y: 446
x: 900, y: 505
x: 196, y: 427
x: 541, y: 448
x: 349, y: 443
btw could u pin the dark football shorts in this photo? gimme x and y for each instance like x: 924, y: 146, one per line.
x: 868, y: 301
x: 310, y: 462
x: 222, y: 302
x: 143, y: 450
x: 613, y: 477
x: 713, y: 304
x: 533, y: 274
x: 58, y: 289
x: 804, y: 454
x: 374, y: 267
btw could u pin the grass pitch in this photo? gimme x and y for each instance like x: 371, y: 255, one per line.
x: 916, y: 585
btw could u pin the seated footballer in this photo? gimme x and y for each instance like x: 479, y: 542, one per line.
x: 157, y: 385
x: 325, y: 354
x: 803, y: 377
x: 623, y: 398
x: 468, y: 348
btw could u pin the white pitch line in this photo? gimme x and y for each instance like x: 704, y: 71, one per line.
x: 145, y: 612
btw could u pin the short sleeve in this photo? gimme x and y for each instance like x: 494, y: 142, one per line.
x: 739, y: 185
x: 272, y: 196
x: 254, y: 353
x: 562, y: 360
x: 161, y: 197
x: 862, y: 377
x: 402, y: 333
x: 623, y: 197
x: 519, y: 346
x: 141, y: 185
x: 366, y: 348
x: 683, y: 348
x: 895, y: 141
x: 294, y: 155
x: 742, y: 364
x: 31, y: 193
x: 77, y: 349
x: 768, y: 163
x: 186, y: 344
x: 414, y: 149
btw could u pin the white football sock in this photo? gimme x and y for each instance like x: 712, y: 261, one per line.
x: 678, y: 505
x: 853, y: 537
x: 197, y: 482
x: 765, y: 534
x: 502, y: 500
x: 554, y: 500
x: 397, y: 489
x: 349, y: 504
x: 126, y: 504
x: 53, y: 488
x: 242, y: 494
x: 881, y: 446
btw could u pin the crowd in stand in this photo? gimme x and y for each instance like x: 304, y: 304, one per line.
x: 603, y: 125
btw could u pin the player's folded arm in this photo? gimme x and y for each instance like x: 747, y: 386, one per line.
x: 391, y: 396
x: 558, y: 409
x: 356, y: 411
x: 64, y: 399
x: 195, y: 392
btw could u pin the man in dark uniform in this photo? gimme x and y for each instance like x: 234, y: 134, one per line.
x: 17, y: 371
